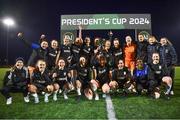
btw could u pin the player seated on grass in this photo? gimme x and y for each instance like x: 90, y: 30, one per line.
x: 158, y: 74
x: 82, y: 82
x: 61, y: 78
x: 101, y: 75
x: 41, y: 82
x: 16, y: 80
x: 121, y: 78
x: 141, y: 76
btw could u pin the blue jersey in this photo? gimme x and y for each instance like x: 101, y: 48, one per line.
x: 141, y: 74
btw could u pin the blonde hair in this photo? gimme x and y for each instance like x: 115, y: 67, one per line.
x: 153, y: 37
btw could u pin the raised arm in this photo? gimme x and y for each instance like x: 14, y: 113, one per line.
x: 26, y: 42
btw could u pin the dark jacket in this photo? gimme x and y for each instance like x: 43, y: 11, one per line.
x: 168, y: 55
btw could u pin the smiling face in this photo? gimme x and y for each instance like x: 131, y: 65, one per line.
x: 140, y: 38
x: 87, y: 40
x: 41, y: 65
x: 54, y: 44
x: 96, y: 42
x: 107, y: 45
x: 19, y: 64
x: 163, y: 41
x: 78, y: 41
x: 152, y: 40
x: 82, y: 61
x: 66, y: 40
x: 155, y: 58
x: 102, y: 61
x: 61, y: 63
x: 44, y: 45
x: 120, y: 64
x: 116, y: 43
x: 139, y: 64
x: 128, y: 40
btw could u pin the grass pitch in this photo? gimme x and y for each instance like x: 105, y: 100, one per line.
x: 125, y: 108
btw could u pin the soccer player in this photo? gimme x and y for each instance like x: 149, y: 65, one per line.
x: 53, y: 54
x: 153, y: 46
x: 117, y: 51
x: 101, y: 74
x: 130, y: 54
x: 156, y: 73
x: 142, y: 48
x: 168, y: 57
x: 41, y: 82
x: 16, y: 80
x: 76, y: 48
x: 65, y: 51
x: 37, y: 53
x: 141, y: 76
x: 87, y: 49
x: 61, y: 78
x: 82, y: 82
x: 121, y: 77
x: 106, y: 52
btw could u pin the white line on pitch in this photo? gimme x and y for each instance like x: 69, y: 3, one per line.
x: 110, y: 108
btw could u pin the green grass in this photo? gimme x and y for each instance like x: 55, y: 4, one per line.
x: 60, y: 109
x: 146, y: 108
x: 131, y: 107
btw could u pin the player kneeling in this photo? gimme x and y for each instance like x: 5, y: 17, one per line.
x: 157, y: 75
x: 41, y: 82
x: 121, y: 78
x: 101, y: 73
x: 141, y: 76
x: 83, y: 78
x: 16, y: 80
x: 60, y: 76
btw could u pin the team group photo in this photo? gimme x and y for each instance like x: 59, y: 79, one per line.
x: 94, y: 66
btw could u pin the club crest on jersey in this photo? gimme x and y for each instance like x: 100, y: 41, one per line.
x: 166, y: 51
x: 64, y: 73
x: 160, y: 67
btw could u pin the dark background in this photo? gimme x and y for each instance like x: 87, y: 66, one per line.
x: 34, y: 17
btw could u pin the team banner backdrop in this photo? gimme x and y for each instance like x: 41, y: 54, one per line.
x: 106, y: 21
x: 70, y: 23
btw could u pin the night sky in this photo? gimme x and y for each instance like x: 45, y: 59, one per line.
x: 34, y: 17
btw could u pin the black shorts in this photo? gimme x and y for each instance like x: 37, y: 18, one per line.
x: 61, y: 83
x: 40, y: 87
x: 102, y: 82
x: 121, y: 83
x: 85, y: 83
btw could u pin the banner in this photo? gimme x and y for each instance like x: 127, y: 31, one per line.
x: 106, y: 21
x: 139, y: 22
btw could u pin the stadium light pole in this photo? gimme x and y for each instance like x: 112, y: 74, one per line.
x: 8, y: 22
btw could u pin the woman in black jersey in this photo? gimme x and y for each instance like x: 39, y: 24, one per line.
x: 41, y: 82
x: 101, y: 75
x: 53, y: 54
x: 83, y: 78
x: 61, y: 77
x: 121, y: 77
